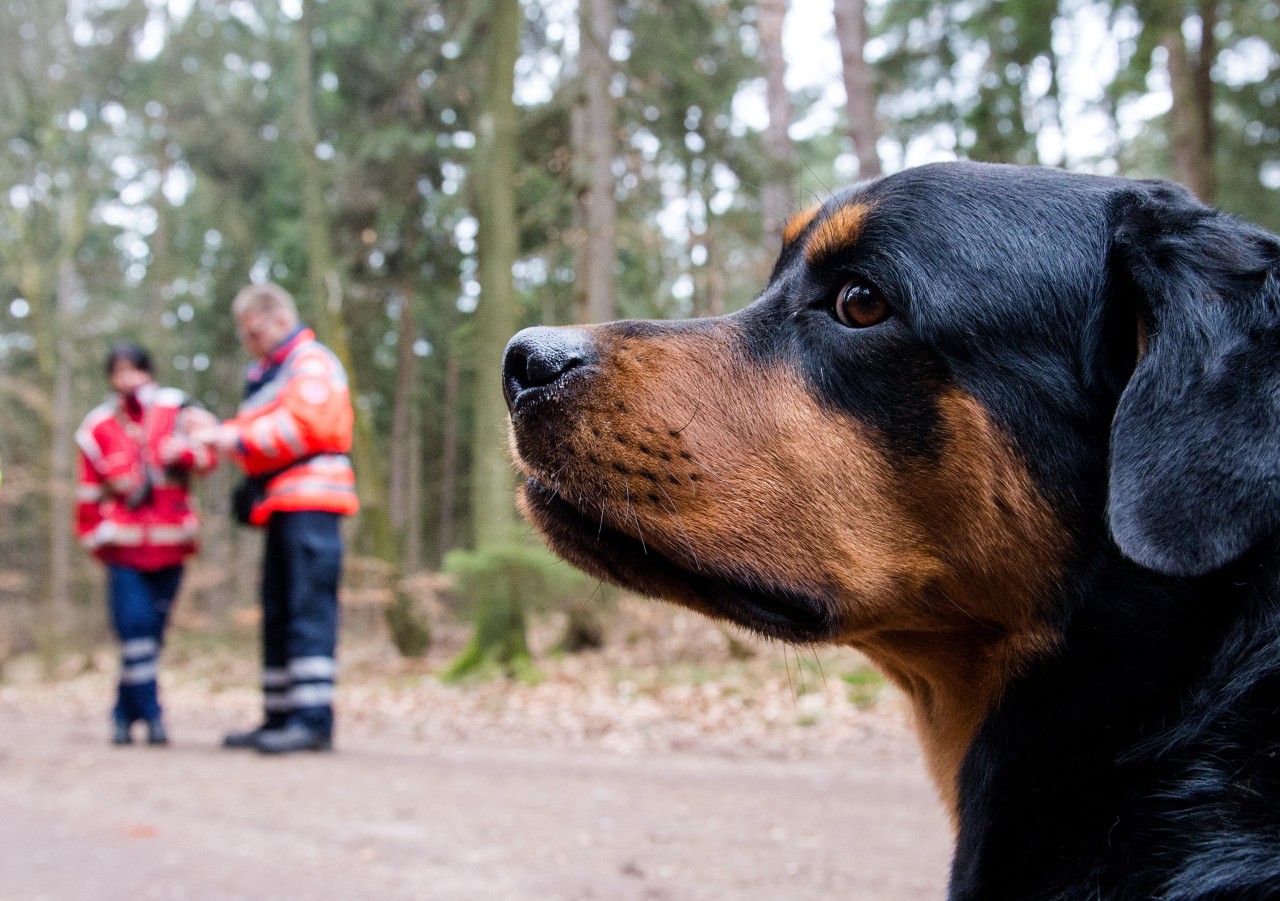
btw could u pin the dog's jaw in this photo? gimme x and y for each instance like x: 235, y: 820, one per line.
x: 800, y: 617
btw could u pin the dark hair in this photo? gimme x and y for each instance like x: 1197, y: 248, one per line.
x: 132, y: 353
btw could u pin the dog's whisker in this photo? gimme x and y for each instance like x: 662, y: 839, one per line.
x: 674, y: 514
x: 786, y: 661
x: 809, y: 169
x: 635, y: 516
x: 708, y: 470
x: 985, y: 625
x: 818, y: 660
x: 697, y: 408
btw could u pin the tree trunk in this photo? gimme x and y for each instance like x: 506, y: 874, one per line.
x: 499, y: 638
x: 596, y: 22
x: 408, y: 630
x: 402, y: 411
x: 34, y: 283
x: 412, y: 560
x: 497, y: 315
x: 1182, y: 137
x: 61, y: 474
x: 49, y: 283
x: 1191, y: 125
x: 1208, y: 132
x: 324, y: 289
x: 580, y: 180
x: 449, y: 450
x: 776, y: 197
x: 160, y: 275
x: 859, y: 84
x: 717, y: 302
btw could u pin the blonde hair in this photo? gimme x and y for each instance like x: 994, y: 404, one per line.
x: 267, y: 297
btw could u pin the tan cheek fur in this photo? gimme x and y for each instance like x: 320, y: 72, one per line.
x: 695, y: 472
x: 939, y: 569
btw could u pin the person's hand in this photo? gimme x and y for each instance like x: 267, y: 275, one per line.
x: 222, y: 438
x: 172, y: 450
x: 228, y: 438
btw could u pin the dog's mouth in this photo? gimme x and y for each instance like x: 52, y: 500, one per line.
x: 590, y: 543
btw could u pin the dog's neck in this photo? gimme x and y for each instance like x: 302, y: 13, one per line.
x: 953, y: 676
x: 1126, y: 620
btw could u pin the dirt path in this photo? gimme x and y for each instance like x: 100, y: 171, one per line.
x: 387, y: 817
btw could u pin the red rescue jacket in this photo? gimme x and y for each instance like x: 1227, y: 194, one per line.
x: 117, y: 517
x: 296, y: 421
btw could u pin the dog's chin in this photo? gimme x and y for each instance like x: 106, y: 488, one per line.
x: 626, y: 561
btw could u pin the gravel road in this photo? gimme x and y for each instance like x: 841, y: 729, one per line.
x: 387, y: 817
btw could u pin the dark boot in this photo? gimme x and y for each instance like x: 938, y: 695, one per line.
x: 156, y: 734
x: 293, y: 737
x: 246, y: 739
x: 120, y: 731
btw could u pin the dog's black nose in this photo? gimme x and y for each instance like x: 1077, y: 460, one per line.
x: 539, y: 356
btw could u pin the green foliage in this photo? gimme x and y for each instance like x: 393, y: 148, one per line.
x: 497, y: 585
x: 498, y: 582
x: 865, y: 686
x: 541, y: 581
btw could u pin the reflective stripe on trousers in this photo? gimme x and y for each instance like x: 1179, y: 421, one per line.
x: 306, y: 682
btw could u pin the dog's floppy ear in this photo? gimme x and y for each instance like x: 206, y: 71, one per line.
x: 1195, y: 444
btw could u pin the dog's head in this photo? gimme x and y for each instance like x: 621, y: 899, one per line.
x: 955, y: 378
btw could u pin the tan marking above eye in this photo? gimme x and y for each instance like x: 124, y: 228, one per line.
x: 798, y: 223
x: 836, y: 232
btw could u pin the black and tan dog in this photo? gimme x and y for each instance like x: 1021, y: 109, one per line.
x: 1015, y: 434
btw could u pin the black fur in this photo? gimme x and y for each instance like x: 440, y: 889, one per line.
x: 1195, y: 479
x: 1141, y: 759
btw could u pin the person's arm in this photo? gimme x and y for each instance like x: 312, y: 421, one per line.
x: 273, y: 437
x: 90, y: 493
x: 186, y: 448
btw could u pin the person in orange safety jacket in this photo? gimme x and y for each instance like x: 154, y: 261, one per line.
x: 291, y: 438
x: 134, y: 512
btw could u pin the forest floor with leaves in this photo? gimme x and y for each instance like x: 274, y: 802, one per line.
x: 680, y: 761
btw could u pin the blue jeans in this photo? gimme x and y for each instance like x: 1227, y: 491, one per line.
x: 140, y: 603
x: 300, y: 572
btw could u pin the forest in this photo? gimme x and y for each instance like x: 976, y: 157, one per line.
x: 429, y: 176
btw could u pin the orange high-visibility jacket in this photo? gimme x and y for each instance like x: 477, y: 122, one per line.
x: 295, y: 427
x: 118, y: 517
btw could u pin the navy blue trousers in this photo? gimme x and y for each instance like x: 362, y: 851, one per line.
x: 300, y: 572
x: 140, y: 603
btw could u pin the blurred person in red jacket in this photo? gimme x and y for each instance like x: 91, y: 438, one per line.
x: 135, y: 513
x: 291, y: 438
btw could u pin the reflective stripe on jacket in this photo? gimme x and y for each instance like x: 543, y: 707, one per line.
x: 299, y: 408
x: 117, y: 517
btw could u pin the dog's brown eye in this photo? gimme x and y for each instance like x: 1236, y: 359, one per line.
x: 860, y: 305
